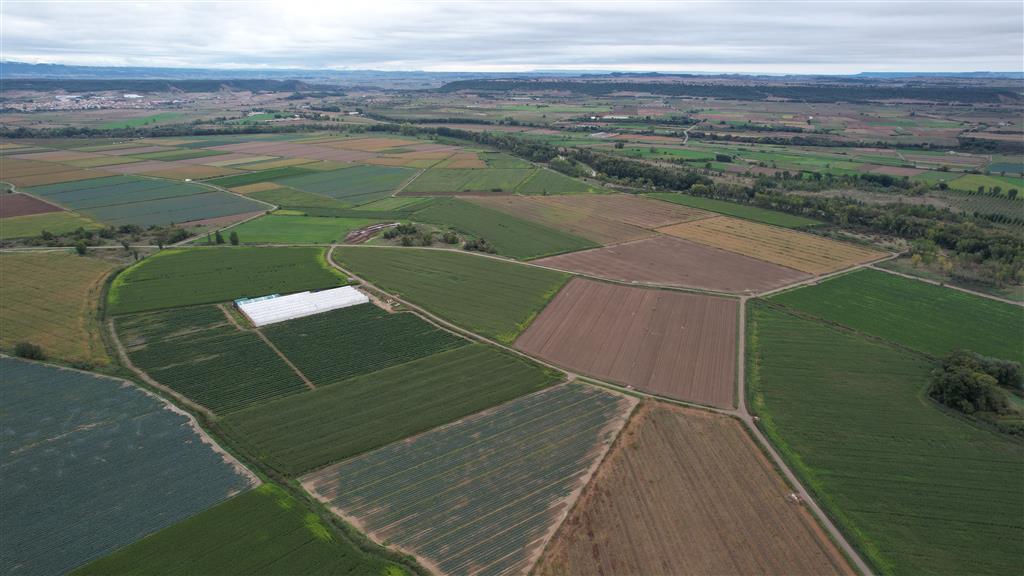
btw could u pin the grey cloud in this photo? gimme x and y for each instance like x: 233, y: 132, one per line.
x: 825, y: 37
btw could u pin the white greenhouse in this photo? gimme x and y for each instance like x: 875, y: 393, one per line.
x: 270, y: 309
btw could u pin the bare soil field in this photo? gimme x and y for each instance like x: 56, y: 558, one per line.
x: 586, y: 224
x: 687, y: 492
x: 627, y: 208
x: 146, y: 166
x: 668, y: 343
x: 26, y: 173
x: 464, y: 160
x: 222, y: 220
x: 369, y: 144
x: 410, y: 159
x: 804, y: 252
x: 23, y: 205
x: 137, y: 150
x: 60, y: 156
x: 676, y: 262
x: 257, y: 187
x: 229, y: 159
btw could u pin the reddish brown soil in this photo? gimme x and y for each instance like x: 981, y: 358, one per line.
x: 23, y: 205
x: 668, y: 343
x: 221, y: 221
x: 676, y: 262
x: 687, y: 492
x: 137, y: 150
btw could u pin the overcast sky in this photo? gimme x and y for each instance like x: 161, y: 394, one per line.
x: 770, y: 37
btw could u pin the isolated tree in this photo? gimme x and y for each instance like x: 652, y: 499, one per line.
x: 218, y: 237
x: 126, y: 244
x: 1012, y: 193
x: 81, y: 247
x: 233, y: 238
x: 29, y: 350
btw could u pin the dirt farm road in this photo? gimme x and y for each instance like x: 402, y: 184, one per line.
x: 739, y: 412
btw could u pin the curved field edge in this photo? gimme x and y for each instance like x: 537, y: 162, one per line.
x: 891, y: 515
x: 205, y: 275
x: 493, y: 297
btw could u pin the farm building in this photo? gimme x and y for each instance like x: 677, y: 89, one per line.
x: 274, y: 308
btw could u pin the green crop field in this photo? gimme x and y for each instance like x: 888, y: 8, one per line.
x: 738, y: 210
x: 199, y: 353
x: 334, y: 422
x: 142, y: 121
x: 357, y: 185
x: 917, y: 489
x: 297, y: 199
x: 469, y: 180
x: 261, y: 176
x: 53, y: 222
x: 401, y: 204
x: 551, y: 182
x: 487, y: 296
x: 179, y: 154
x: 925, y: 317
x: 336, y: 345
x: 509, y: 235
x: 182, y: 277
x: 970, y: 183
x: 262, y: 531
x: 278, y: 229
x: 476, y: 496
x: 91, y: 464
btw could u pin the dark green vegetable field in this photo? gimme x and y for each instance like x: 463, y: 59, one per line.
x: 263, y: 531
x: 310, y: 430
x: 485, y: 295
x: 928, y: 318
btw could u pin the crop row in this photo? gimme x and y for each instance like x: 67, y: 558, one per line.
x: 302, y: 432
x: 206, y: 359
x: 478, y: 495
x: 339, y: 344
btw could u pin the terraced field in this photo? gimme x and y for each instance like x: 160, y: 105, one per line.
x: 199, y: 353
x: 928, y: 318
x: 336, y: 345
x: 333, y: 422
x: 915, y: 488
x: 804, y: 252
x: 57, y: 311
x: 487, y: 296
x: 481, y: 495
x: 263, y: 531
x: 173, y: 278
x: 511, y: 236
x: 92, y: 464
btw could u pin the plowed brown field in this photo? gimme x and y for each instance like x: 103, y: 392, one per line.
x: 628, y: 208
x: 25, y: 173
x: 805, y: 252
x: 668, y: 343
x: 23, y: 205
x: 584, y: 223
x: 687, y: 492
x: 676, y: 262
